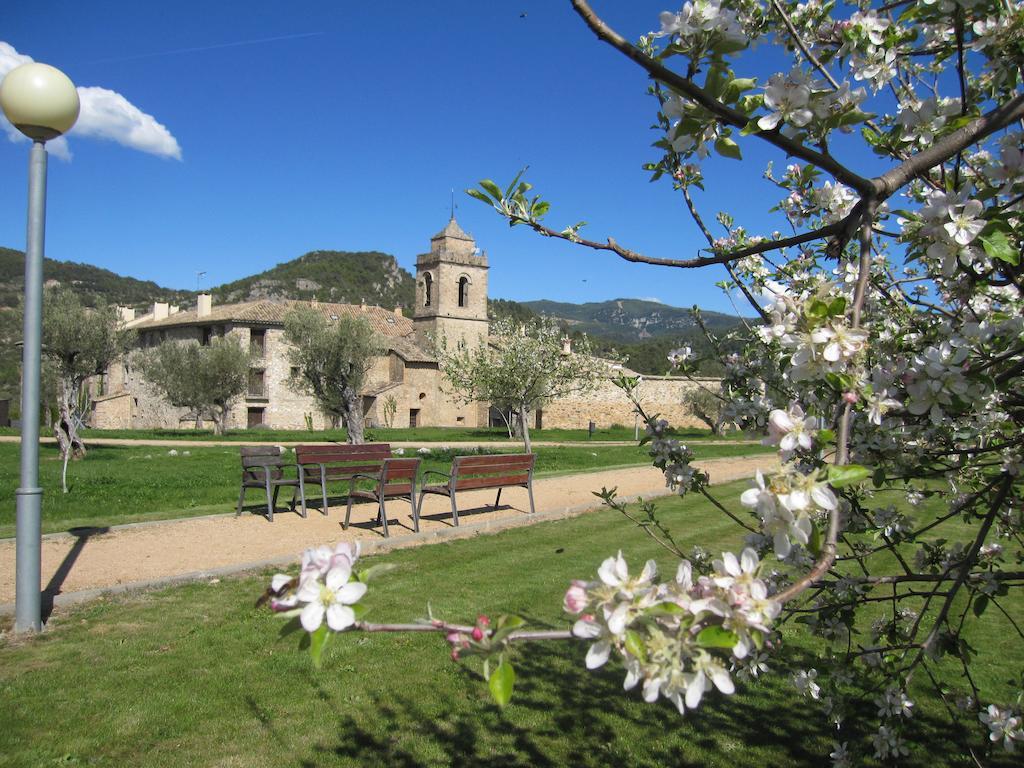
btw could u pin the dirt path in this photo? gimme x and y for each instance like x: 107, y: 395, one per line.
x: 146, y: 553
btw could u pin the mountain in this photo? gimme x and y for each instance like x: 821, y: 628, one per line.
x: 92, y: 284
x: 343, y: 277
x: 631, y: 320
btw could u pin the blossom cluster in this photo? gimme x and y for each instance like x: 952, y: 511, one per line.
x: 680, y: 638
x: 323, y: 590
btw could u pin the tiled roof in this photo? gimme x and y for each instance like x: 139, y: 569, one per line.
x: 265, y: 312
x: 453, y: 230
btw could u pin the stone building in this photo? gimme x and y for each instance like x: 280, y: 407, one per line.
x: 451, y: 302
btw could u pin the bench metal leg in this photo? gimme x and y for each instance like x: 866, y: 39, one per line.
x: 415, y: 511
x: 271, y: 500
x: 383, y: 517
x: 418, y: 510
x: 323, y: 490
x: 529, y: 490
x: 302, y: 493
x: 348, y: 513
x: 497, y: 499
x: 455, y: 512
x: 241, y: 498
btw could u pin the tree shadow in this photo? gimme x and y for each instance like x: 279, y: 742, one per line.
x: 52, y: 589
x: 563, y: 716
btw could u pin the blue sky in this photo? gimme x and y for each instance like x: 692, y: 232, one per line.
x: 344, y: 125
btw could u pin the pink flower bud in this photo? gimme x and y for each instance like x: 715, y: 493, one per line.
x: 455, y: 654
x: 575, y: 597
x: 587, y: 617
x: 483, y: 620
x: 453, y: 637
x: 478, y: 634
x: 850, y: 397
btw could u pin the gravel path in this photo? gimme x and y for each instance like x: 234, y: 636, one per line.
x: 146, y: 554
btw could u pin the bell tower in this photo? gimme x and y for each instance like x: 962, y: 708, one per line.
x: 451, y: 289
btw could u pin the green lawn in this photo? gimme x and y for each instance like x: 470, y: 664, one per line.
x: 418, y: 435
x: 120, y: 484
x: 196, y: 676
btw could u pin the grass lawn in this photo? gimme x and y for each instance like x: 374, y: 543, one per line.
x: 120, y: 484
x: 196, y: 676
x: 382, y: 435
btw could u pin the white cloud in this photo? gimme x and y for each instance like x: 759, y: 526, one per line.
x: 105, y: 114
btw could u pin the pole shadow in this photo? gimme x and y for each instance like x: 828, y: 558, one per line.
x: 52, y: 589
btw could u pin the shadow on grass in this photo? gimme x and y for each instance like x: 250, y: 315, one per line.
x: 563, y: 716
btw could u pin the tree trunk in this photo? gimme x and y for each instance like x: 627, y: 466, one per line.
x: 220, y: 415
x: 65, y: 429
x: 524, y: 423
x: 713, y: 424
x: 354, y: 417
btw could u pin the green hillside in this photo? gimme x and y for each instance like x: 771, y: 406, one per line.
x: 630, y: 320
x: 93, y: 284
x: 339, y: 276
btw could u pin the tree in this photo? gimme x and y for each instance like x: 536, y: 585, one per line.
x: 333, y: 359
x: 518, y: 368
x: 205, y: 379
x: 886, y: 370
x: 78, y: 344
x: 706, y: 406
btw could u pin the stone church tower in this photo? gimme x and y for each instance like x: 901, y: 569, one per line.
x: 451, y: 289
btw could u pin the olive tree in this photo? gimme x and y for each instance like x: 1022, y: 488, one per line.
x: 79, y: 343
x: 206, y: 379
x: 519, y: 367
x: 332, y: 358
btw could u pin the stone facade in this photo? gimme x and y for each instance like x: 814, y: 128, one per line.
x: 607, y: 404
x: 450, y: 304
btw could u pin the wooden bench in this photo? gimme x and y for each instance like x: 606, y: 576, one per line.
x: 263, y: 467
x: 480, y: 472
x: 321, y: 464
x: 396, y: 479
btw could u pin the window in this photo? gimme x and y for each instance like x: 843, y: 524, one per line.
x: 257, y: 340
x: 428, y: 284
x: 414, y: 417
x: 206, y: 333
x: 463, y: 291
x: 256, y: 383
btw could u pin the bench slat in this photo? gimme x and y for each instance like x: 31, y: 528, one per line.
x: 518, y: 461
x: 468, y: 483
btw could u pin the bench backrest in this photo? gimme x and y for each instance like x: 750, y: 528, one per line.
x: 341, y: 461
x: 399, y: 470
x: 255, y: 456
x: 492, y: 471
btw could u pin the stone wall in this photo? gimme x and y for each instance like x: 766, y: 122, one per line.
x: 607, y: 404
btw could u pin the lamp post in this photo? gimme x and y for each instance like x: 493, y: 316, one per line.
x: 42, y: 103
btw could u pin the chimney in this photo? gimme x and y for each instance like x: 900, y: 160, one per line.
x: 174, y: 309
x: 127, y: 314
x: 566, y: 345
x: 398, y: 311
x: 160, y: 310
x: 362, y: 307
x: 204, y: 305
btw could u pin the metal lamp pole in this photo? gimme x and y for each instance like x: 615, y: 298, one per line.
x: 41, y: 102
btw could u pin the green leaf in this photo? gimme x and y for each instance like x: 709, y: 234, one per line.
x: 317, y: 643
x: 998, y: 246
x: 501, y: 682
x: 848, y: 474
x: 635, y: 644
x: 736, y: 88
x: 476, y: 193
x: 505, y: 626
x: 716, y: 637
x: 826, y: 436
x: 728, y: 148
x: 750, y: 128
x: 814, y: 545
x: 492, y: 189
x: 980, y: 604
x: 374, y: 571
x: 837, y: 306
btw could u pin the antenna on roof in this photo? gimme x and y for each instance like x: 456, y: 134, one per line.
x: 199, y: 276
x: 453, y: 202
